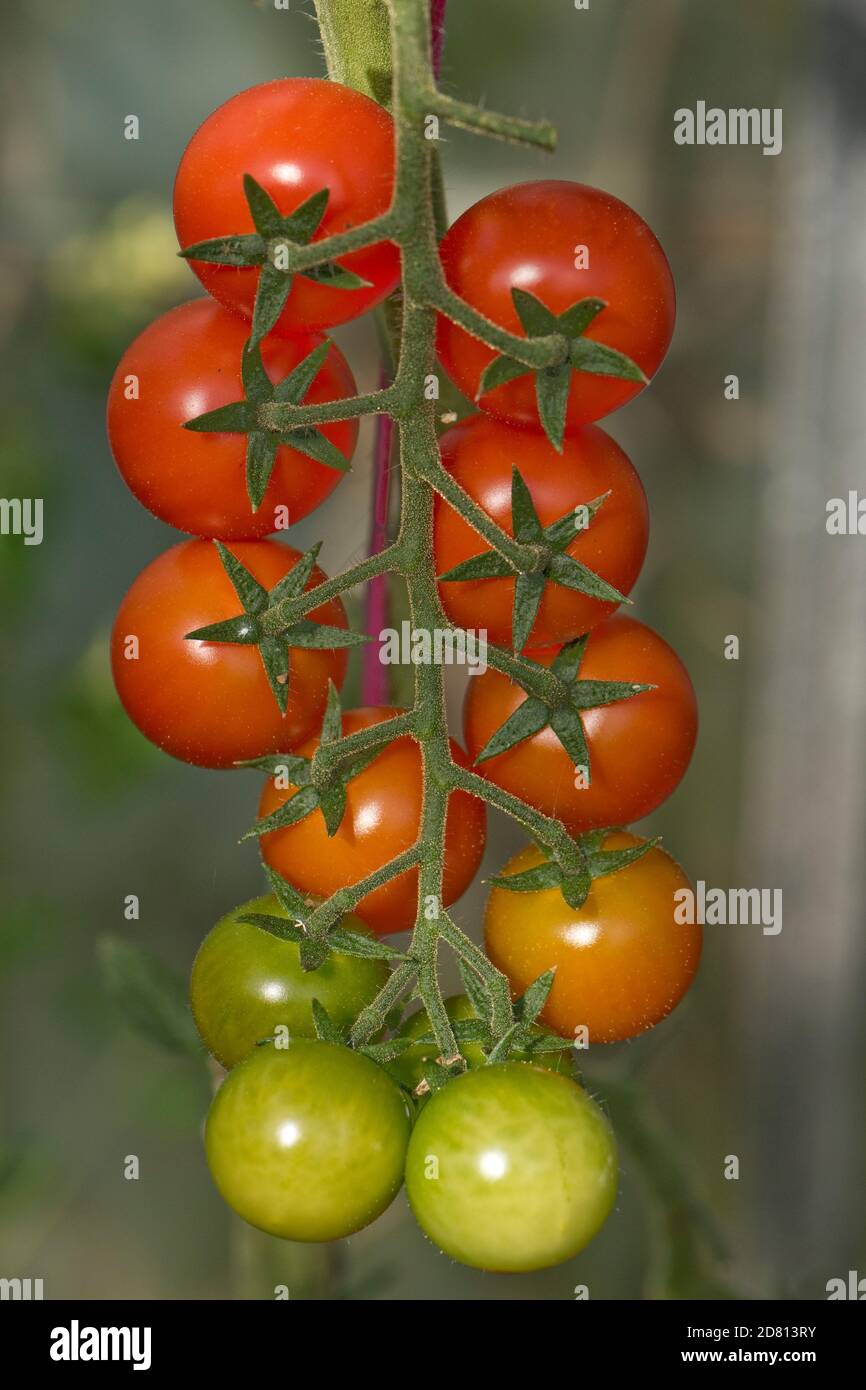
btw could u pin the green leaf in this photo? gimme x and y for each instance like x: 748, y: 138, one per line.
x: 273, y: 291
x: 571, y: 574
x: 295, y: 582
x: 286, y: 893
x: 566, y: 724
x: 498, y: 372
x: 561, y: 533
x: 325, y: 1028
x: 257, y: 384
x: 261, y: 454
x: 332, y: 804
x: 546, y: 875
x: 528, y: 719
x: 575, y: 889
x: 532, y: 1001
x: 332, y: 719
x: 250, y: 592
x: 598, y: 359
x: 237, y: 418
x: 528, y: 593
x: 609, y: 861
x: 524, y: 518
x: 318, y: 446
x: 296, y: 769
x: 291, y: 811
x: 236, y: 251
x: 489, y: 565
x: 267, y: 218
x: 592, y: 694
x: 536, y: 318
x: 353, y: 943
x: 274, y: 926
x: 552, y: 385
x: 308, y: 634
x: 294, y: 387
x: 568, y: 662
x: 301, y: 225
x: 577, y: 318
x: 336, y: 277
x: 151, y: 998
x: 242, y: 630
x: 275, y: 659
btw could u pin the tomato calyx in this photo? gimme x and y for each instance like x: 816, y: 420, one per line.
x: 575, y: 880
x: 245, y: 417
x: 572, y: 697
x: 246, y: 628
x: 269, y: 248
x: 550, y: 563
x: 583, y: 354
x: 321, y: 780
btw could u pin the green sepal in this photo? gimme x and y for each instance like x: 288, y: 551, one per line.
x: 535, y: 880
x: 261, y: 455
x: 237, y: 418
x: 294, y: 387
x: 332, y: 804
x: 528, y: 719
x: 275, y: 659
x: 477, y: 993
x: 498, y: 372
x: 301, y: 225
x: 274, y: 926
x: 324, y: 1025
x: 488, y: 565
x: 566, y: 724
x: 352, y: 943
x: 271, y: 295
x: 528, y: 593
x: 609, y: 861
x: 505, y: 1045
x: 537, y: 320
x: 524, y: 518
x: 296, y: 808
x: 586, y: 355
x: 552, y: 385
x: 296, y: 769
x: 561, y: 533
x: 532, y: 1001
x: 242, y: 630
x: 295, y: 582
x: 267, y: 218
x: 575, y: 888
x: 571, y: 574
x: 335, y: 276
x: 287, y: 894
x: 252, y: 594
x: 247, y: 249
x: 592, y: 694
x: 576, y: 319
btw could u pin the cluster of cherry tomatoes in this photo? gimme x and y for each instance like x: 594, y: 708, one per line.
x: 510, y: 1165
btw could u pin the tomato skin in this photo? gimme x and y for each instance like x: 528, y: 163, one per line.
x: 307, y: 1142
x: 527, y: 1168
x: 188, y: 362
x: 479, y: 453
x: 295, y: 136
x: 245, y: 983
x: 525, y: 237
x: 639, y: 748
x: 210, y: 703
x: 409, y: 1067
x: 382, y: 820
x: 622, y: 961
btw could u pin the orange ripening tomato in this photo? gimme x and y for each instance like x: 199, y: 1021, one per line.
x: 561, y: 242
x: 382, y: 820
x: 188, y: 363
x: 623, y: 961
x: 480, y: 454
x: 209, y: 703
x: 295, y: 136
x: 639, y: 748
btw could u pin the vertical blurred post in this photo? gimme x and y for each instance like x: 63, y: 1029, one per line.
x: 805, y: 812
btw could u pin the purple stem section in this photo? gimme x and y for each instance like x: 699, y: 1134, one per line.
x: 374, y: 675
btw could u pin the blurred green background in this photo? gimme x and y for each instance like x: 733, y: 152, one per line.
x: 764, y: 1059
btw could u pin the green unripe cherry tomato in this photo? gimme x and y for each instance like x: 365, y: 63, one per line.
x: 308, y: 1142
x: 511, y: 1168
x: 246, y: 982
x: 410, y: 1066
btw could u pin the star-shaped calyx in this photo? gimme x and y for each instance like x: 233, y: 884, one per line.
x: 553, y: 565
x: 562, y: 715
x: 320, y: 787
x: 575, y: 883
x: 245, y: 417
x: 247, y: 628
x: 269, y: 247
x: 584, y: 355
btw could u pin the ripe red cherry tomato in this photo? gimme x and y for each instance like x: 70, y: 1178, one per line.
x: 529, y: 237
x: 245, y: 983
x: 187, y: 363
x: 295, y: 136
x: 480, y: 453
x: 639, y: 748
x: 622, y: 960
x: 511, y: 1168
x: 205, y: 702
x: 308, y: 1142
x: 382, y: 820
